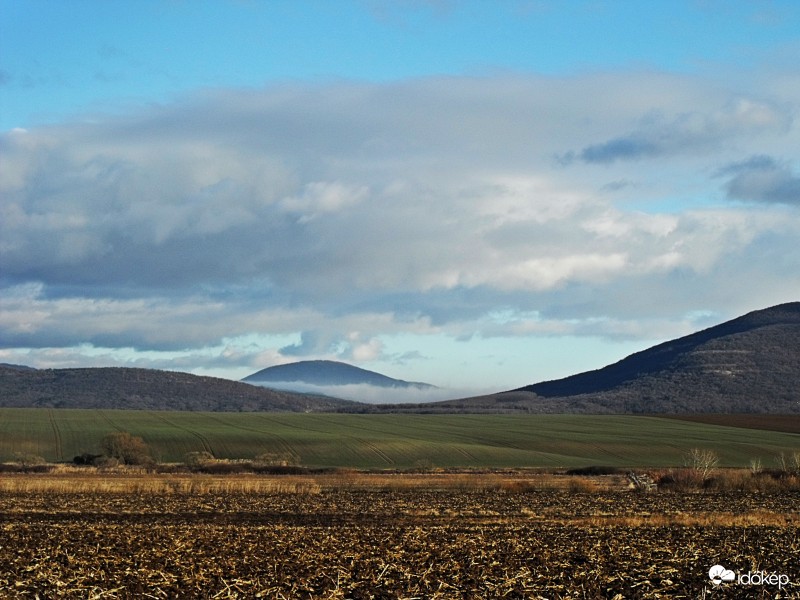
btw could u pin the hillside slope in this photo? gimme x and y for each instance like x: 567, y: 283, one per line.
x: 747, y: 365
x: 327, y: 373
x: 146, y: 389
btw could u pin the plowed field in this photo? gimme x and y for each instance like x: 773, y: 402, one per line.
x: 359, y: 543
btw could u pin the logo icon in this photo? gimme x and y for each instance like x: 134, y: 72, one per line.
x: 719, y: 574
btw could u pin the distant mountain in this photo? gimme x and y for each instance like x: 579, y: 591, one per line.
x: 748, y: 365
x: 150, y: 389
x: 328, y: 373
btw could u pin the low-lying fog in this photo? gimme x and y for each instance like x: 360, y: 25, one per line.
x: 371, y: 394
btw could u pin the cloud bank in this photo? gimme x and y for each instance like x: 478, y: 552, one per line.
x: 346, y: 213
x: 373, y: 394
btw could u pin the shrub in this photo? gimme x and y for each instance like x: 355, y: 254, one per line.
x: 279, y: 469
x: 27, y: 463
x: 27, y: 460
x: 86, y: 459
x: 223, y: 467
x: 582, y: 486
x: 276, y: 459
x: 680, y: 480
x: 127, y: 449
x: 106, y: 462
x: 198, y: 459
x: 594, y: 470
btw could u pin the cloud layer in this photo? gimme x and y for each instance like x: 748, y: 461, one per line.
x: 347, y: 212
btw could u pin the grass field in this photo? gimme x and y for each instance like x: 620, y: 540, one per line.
x: 393, y: 441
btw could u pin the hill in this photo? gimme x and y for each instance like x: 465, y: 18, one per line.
x: 747, y: 365
x: 328, y: 373
x: 150, y: 389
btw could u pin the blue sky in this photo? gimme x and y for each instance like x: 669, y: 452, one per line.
x: 67, y: 58
x: 480, y: 195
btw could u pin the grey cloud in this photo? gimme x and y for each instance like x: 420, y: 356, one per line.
x: 755, y: 162
x: 353, y: 207
x: 689, y: 132
x: 626, y: 148
x: 312, y: 343
x: 615, y: 186
x: 762, y: 179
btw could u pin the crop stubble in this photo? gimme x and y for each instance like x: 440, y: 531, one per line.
x: 414, y: 543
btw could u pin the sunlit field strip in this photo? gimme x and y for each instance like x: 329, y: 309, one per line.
x: 393, y: 441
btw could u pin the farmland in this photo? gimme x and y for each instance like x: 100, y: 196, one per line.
x: 367, y: 529
x: 347, y: 537
x: 393, y: 441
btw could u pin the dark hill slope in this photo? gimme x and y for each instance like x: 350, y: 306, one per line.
x: 762, y: 345
x: 146, y: 389
x: 326, y: 373
x: 748, y: 365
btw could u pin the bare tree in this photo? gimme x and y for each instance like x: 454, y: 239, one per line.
x: 782, y: 461
x: 789, y: 465
x: 701, y: 461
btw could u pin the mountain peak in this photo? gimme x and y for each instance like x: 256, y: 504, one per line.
x: 327, y: 373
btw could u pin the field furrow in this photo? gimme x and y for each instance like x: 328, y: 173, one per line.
x: 445, y: 543
x: 397, y: 441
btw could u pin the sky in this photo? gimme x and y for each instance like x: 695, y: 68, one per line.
x: 479, y: 195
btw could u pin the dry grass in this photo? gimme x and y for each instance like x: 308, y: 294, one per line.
x: 727, y: 480
x: 508, y: 482
x: 141, y: 480
x: 755, y: 518
x: 137, y: 480
x: 133, y: 483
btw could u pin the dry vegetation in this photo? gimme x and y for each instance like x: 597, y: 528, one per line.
x: 126, y: 533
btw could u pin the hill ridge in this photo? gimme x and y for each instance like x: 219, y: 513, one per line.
x: 748, y: 365
x: 147, y: 389
x: 642, y: 362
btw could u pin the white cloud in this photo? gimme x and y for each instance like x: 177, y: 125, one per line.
x: 372, y: 394
x: 320, y: 197
x: 419, y: 206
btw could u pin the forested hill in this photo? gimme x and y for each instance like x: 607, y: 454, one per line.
x: 750, y: 364
x: 150, y: 389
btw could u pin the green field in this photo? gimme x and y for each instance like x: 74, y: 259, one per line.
x: 391, y: 440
